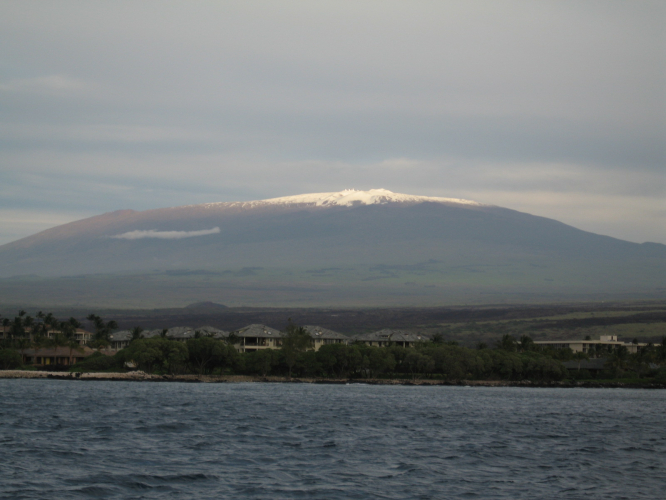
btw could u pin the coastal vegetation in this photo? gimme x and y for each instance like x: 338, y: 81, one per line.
x: 10, y: 359
x: 432, y: 360
x: 507, y: 358
x: 207, y: 356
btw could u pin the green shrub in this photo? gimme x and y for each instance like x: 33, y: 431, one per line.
x: 660, y: 376
x: 10, y: 359
x: 156, y: 354
x: 206, y: 355
x: 97, y: 362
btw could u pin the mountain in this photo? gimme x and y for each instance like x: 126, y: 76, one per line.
x: 347, y: 247
x: 206, y: 307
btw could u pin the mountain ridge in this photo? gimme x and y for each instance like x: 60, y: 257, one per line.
x: 378, y: 241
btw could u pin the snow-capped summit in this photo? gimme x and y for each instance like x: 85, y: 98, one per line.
x: 346, y: 198
x: 351, y: 197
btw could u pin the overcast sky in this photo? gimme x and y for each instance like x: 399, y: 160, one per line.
x: 553, y: 108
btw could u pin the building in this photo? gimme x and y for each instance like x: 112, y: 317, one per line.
x: 80, y: 335
x: 149, y: 334
x: 59, y: 356
x: 323, y: 336
x: 256, y: 337
x: 184, y: 333
x: 210, y: 331
x: 593, y: 348
x: 386, y: 337
x: 179, y: 333
x: 121, y: 339
x: 83, y: 336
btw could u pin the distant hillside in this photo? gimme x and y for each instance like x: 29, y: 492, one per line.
x: 348, y: 247
x: 205, y: 307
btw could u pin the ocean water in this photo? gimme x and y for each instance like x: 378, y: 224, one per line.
x: 85, y: 439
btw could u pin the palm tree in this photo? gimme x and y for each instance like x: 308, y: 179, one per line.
x: 23, y: 344
x: 6, y: 323
x: 40, y: 341
x: 102, y: 329
x: 136, y: 333
x: 580, y: 356
x: 295, y: 340
x: 661, y: 350
x: 16, y: 329
x: 618, y: 360
x: 508, y: 343
x: 526, y: 343
x: 232, y: 339
x: 73, y: 344
x: 68, y: 329
x: 58, y: 340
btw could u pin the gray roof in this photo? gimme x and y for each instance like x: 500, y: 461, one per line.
x: 148, y: 334
x: 258, y: 331
x: 387, y: 335
x: 210, y: 331
x: 317, y: 332
x: 180, y: 332
x: 175, y: 333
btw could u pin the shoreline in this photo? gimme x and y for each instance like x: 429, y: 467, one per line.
x: 139, y: 376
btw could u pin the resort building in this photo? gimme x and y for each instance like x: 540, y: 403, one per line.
x: 179, y: 333
x: 59, y: 356
x: 252, y: 337
x: 184, y: 333
x: 210, y: 331
x: 256, y: 337
x: 149, y: 334
x: 120, y: 340
x: 80, y: 335
x: 386, y: 337
x: 594, y: 348
x: 323, y: 336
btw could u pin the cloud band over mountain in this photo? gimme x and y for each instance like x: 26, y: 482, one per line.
x: 165, y: 235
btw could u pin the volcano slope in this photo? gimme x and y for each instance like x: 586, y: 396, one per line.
x: 362, y: 248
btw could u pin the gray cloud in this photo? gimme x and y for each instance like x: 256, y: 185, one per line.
x: 165, y: 235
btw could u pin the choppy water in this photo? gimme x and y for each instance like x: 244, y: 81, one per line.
x: 63, y: 439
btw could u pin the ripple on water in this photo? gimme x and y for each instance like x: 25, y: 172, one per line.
x: 129, y: 440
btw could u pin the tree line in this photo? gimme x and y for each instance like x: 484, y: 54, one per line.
x: 508, y: 359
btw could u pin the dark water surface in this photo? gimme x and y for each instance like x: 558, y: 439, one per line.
x: 68, y: 439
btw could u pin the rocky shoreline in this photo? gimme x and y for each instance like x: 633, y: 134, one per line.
x: 139, y: 376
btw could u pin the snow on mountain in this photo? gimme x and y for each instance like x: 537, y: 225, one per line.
x: 348, y: 198
x: 351, y: 197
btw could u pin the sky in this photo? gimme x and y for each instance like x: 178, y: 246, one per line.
x: 554, y: 108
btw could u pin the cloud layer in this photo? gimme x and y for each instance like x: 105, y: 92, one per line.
x: 165, y: 235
